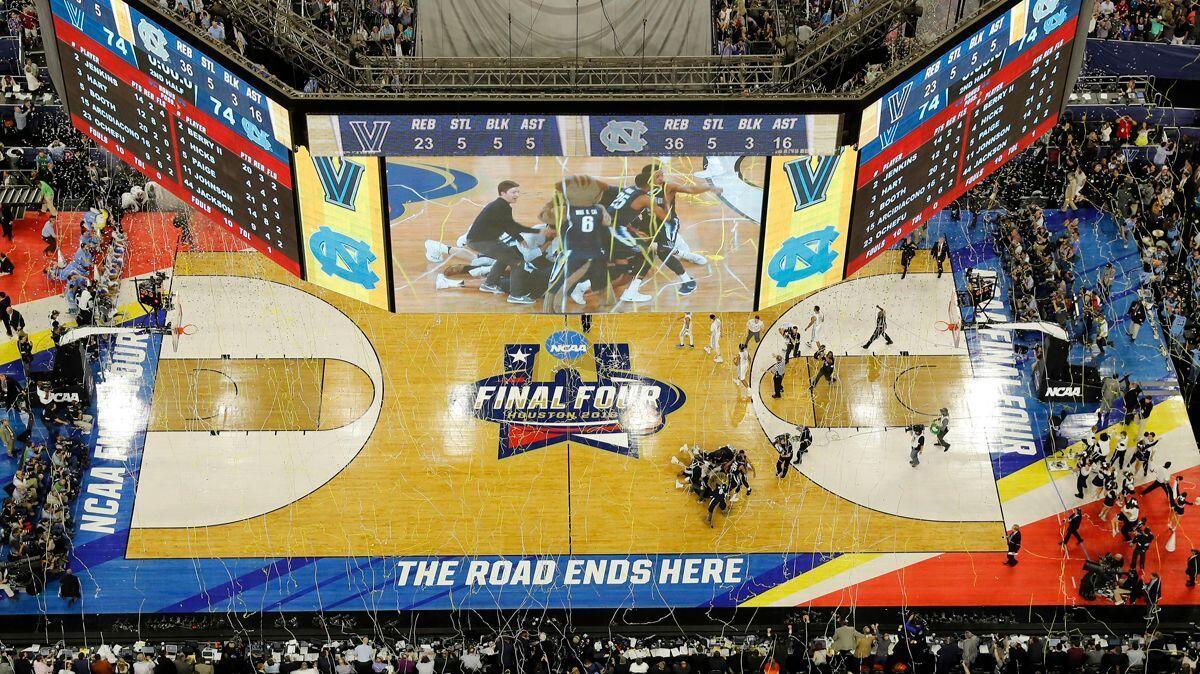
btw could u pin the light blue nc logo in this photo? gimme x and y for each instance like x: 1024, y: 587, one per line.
x: 803, y: 256
x: 344, y: 257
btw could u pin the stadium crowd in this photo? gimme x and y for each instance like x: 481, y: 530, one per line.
x: 40, y: 429
x: 743, y: 27
x: 797, y: 646
x: 1146, y: 179
x: 1170, y: 21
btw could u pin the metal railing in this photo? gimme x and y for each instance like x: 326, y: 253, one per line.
x: 816, y: 68
x: 522, y: 76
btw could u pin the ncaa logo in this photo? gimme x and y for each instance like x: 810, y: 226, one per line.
x: 566, y: 345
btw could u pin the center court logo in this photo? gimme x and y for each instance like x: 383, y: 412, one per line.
x: 610, y: 413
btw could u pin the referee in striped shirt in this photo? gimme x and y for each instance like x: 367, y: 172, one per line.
x: 777, y: 371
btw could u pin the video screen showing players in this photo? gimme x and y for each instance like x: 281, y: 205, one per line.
x: 575, y: 234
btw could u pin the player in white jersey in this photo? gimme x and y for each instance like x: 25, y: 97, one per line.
x: 743, y: 371
x: 814, y: 326
x: 685, y: 331
x: 714, y: 338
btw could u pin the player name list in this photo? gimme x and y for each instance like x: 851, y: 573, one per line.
x: 165, y: 138
x: 935, y: 163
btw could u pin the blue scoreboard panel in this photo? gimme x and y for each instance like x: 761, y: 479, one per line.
x: 180, y: 118
x: 938, y: 133
x: 568, y: 135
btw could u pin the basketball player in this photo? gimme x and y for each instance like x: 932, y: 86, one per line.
x: 631, y: 243
x: 718, y: 490
x: 739, y: 471
x: 783, y: 445
x: 686, y: 331
x: 826, y: 371
x: 586, y: 232
x: 804, y: 440
x: 665, y: 232
x: 714, y: 338
x: 917, y: 433
x: 814, y: 325
x: 880, y: 328
x: 743, y: 370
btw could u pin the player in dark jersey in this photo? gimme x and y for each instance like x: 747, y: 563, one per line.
x: 586, y: 234
x: 631, y: 242
x: 663, y: 221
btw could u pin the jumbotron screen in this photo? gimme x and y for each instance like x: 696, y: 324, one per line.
x: 181, y: 119
x: 937, y: 134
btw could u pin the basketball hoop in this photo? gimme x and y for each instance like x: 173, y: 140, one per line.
x: 178, y: 332
x: 943, y: 326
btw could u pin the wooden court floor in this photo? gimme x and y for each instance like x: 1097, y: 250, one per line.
x: 709, y: 225
x: 428, y: 481
x: 871, y: 391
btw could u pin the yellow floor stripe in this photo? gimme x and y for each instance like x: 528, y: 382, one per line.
x: 1167, y: 416
x: 823, y: 572
x: 41, y: 339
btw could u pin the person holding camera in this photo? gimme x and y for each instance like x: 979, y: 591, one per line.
x: 940, y: 427
x: 917, y: 433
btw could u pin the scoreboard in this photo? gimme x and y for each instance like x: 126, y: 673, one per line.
x: 571, y: 135
x: 181, y: 119
x: 937, y: 134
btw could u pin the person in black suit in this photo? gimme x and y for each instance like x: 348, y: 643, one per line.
x: 1013, y: 539
x: 15, y: 322
x: 1153, y: 590
x: 5, y: 303
x: 1193, y: 567
x: 1074, y: 520
x: 941, y: 251
x: 1141, y: 545
x: 6, y: 223
x: 908, y: 251
x: 68, y: 588
x: 6, y: 265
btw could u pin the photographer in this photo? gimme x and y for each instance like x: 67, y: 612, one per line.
x: 917, y: 433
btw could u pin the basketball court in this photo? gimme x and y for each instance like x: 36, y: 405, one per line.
x: 383, y: 411
x: 311, y: 430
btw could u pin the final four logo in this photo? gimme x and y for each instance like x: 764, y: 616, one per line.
x: 610, y: 413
